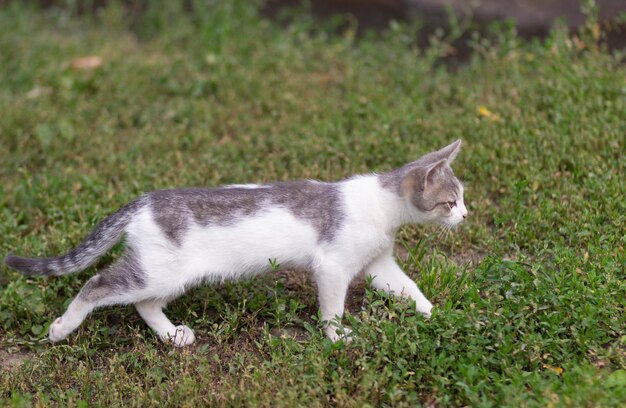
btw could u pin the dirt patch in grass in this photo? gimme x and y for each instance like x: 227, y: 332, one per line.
x: 224, y: 352
x: 469, y: 256
x: 356, y: 293
x: 297, y: 281
x: 296, y: 333
x: 466, y: 257
x: 12, y: 361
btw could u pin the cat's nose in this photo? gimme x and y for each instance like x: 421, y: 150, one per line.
x: 463, y: 210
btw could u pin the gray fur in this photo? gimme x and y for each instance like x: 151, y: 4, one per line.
x: 314, y: 202
x: 392, y: 181
x: 103, y: 237
x: 124, y: 275
x: 442, y: 186
x: 428, y: 181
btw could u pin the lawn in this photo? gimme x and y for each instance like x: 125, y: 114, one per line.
x: 530, y: 292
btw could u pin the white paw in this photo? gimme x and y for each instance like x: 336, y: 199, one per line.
x: 425, y: 308
x: 338, y: 333
x: 57, y: 332
x: 183, y: 336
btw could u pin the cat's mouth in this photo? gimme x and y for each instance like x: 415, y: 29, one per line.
x: 452, y: 222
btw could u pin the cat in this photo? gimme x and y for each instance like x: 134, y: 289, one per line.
x: 179, y: 238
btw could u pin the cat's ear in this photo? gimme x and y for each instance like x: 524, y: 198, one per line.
x: 420, y: 177
x: 449, y: 152
x: 432, y: 171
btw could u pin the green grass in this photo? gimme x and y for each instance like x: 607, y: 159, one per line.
x: 531, y: 291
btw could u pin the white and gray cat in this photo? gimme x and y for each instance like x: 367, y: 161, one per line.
x: 180, y: 238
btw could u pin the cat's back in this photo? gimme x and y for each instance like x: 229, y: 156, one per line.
x: 316, y: 204
x: 217, y: 206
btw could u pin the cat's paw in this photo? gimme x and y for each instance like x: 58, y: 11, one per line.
x: 183, y: 336
x: 339, y: 333
x: 57, y: 331
x: 425, y: 308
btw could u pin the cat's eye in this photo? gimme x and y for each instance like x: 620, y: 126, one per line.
x: 451, y: 204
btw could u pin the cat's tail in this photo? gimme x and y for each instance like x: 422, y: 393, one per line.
x: 103, y: 237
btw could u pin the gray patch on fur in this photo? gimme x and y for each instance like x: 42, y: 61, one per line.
x: 314, y: 202
x: 102, y: 238
x: 442, y: 185
x: 392, y: 181
x: 317, y: 203
x: 173, y: 210
x: 123, y: 276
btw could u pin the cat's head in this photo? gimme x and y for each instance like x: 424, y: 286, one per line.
x: 433, y: 189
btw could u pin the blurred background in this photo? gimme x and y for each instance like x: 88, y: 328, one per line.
x: 531, y: 17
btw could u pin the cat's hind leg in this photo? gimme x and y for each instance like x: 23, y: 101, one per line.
x: 152, y: 312
x: 332, y: 286
x: 71, y: 319
x: 118, y: 284
x: 388, y: 276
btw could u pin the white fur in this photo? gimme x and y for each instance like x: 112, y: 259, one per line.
x: 459, y: 212
x: 364, y: 242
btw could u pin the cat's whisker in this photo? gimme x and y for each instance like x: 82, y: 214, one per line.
x: 443, y: 232
x: 446, y: 229
x: 440, y: 232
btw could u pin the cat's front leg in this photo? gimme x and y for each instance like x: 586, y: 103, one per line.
x: 388, y: 276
